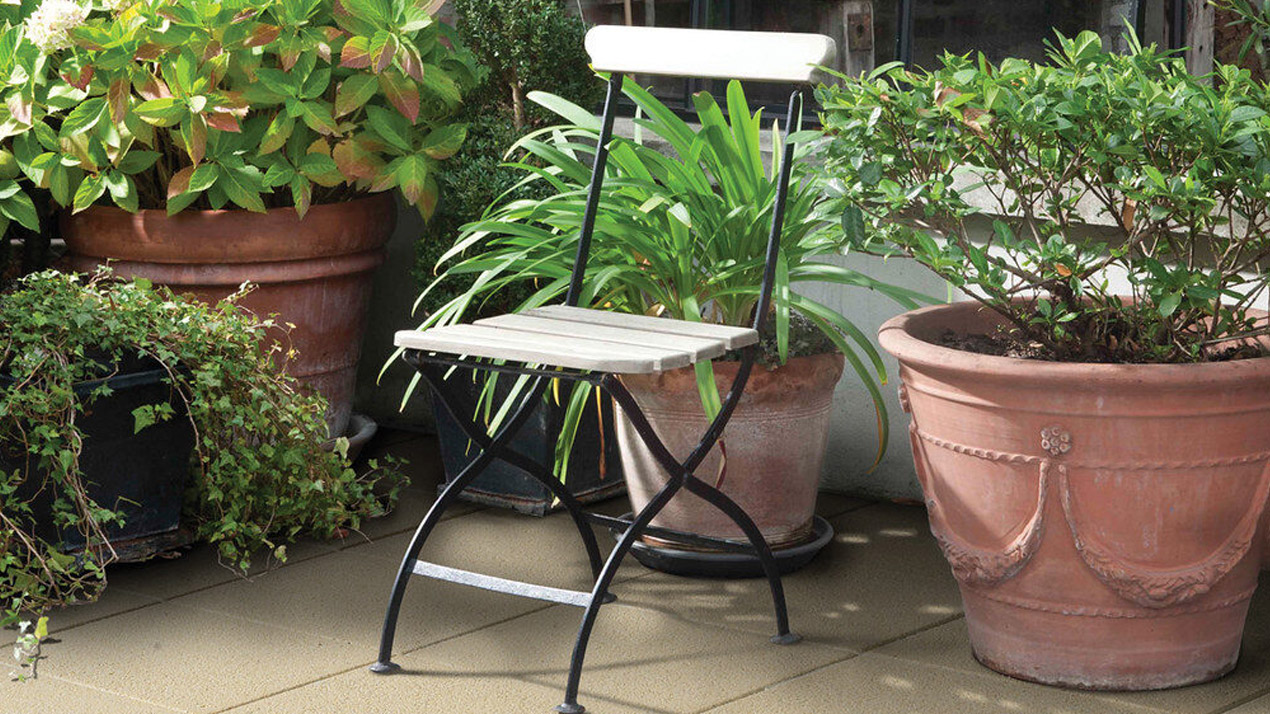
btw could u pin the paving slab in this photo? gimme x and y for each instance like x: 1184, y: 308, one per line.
x: 639, y: 660
x: 419, y: 690
x: 948, y: 646
x: 199, y: 568
x: 342, y: 597
x: 829, y: 505
x: 876, y: 684
x: 1260, y: 705
x: 113, y: 601
x: 191, y: 659
x: 883, y: 577
x: 546, y: 551
x: 48, y: 695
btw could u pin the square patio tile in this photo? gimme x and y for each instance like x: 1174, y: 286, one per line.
x: 882, y: 578
x: 191, y: 659
x: 342, y: 597
x: 113, y: 601
x: 1260, y: 705
x: 546, y: 551
x: 948, y: 646
x: 874, y: 684
x: 49, y: 695
x: 417, y: 690
x: 639, y: 659
x: 829, y: 505
x: 199, y: 568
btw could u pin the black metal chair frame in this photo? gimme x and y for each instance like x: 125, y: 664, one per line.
x: 433, y: 367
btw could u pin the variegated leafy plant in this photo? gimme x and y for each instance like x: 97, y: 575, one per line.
x: 213, y: 104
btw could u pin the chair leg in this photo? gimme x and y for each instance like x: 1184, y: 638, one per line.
x: 460, y: 409
x: 384, y: 664
x: 645, y: 517
x: 491, y: 450
x: 732, y: 510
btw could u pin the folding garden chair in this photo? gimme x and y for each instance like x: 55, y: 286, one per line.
x: 571, y: 343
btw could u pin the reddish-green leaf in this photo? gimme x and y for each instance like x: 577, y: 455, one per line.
x: 411, y: 172
x: 277, y: 134
x: 117, y: 99
x: 356, y: 53
x: 194, y: 135
x: 223, y: 121
x: 318, y: 116
x: 90, y: 189
x: 356, y: 161
x: 354, y: 92
x: 402, y: 92
x: 263, y: 35
x: 446, y: 141
x: 165, y: 111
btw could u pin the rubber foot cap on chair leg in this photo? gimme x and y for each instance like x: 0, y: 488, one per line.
x: 385, y: 667
x: 608, y: 598
x: 568, y: 708
x: 789, y: 638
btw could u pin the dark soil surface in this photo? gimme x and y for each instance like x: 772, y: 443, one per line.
x: 1004, y: 345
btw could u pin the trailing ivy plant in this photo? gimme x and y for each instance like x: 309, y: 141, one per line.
x: 260, y: 477
x: 248, y: 103
x: 1171, y: 170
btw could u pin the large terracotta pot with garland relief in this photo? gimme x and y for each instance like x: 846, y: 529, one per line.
x: 1106, y: 523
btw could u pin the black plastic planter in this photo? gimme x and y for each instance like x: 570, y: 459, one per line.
x: 595, y: 465
x: 143, y: 475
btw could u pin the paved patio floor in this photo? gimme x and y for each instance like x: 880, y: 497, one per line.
x: 879, y: 610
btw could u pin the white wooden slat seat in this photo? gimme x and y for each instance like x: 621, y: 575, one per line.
x: 582, y: 339
x: 711, y: 54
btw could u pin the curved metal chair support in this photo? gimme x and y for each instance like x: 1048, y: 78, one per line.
x: 459, y: 408
x: 384, y: 664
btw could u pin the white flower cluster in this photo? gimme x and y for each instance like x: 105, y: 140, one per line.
x: 50, y: 25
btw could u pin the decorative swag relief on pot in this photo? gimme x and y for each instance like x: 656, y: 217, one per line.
x: 1106, y: 523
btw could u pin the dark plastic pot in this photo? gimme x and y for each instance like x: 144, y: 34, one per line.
x: 142, y: 475
x: 595, y: 465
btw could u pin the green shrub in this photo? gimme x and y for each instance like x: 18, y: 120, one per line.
x: 1177, y: 167
x: 533, y: 45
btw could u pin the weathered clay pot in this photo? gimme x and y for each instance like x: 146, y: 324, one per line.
x: 314, y: 273
x: 1105, y: 522
x: 775, y: 445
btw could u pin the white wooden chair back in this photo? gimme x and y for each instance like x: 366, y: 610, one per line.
x: 710, y: 54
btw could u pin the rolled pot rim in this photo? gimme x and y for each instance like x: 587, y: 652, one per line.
x: 898, y: 336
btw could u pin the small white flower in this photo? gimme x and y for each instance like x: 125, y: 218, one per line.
x: 50, y: 25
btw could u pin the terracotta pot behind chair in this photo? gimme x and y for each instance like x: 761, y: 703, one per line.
x: 314, y: 273
x: 1105, y: 522
x: 775, y: 445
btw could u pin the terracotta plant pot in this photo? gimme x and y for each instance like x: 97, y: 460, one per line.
x: 314, y: 273
x: 775, y: 446
x: 1105, y: 522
